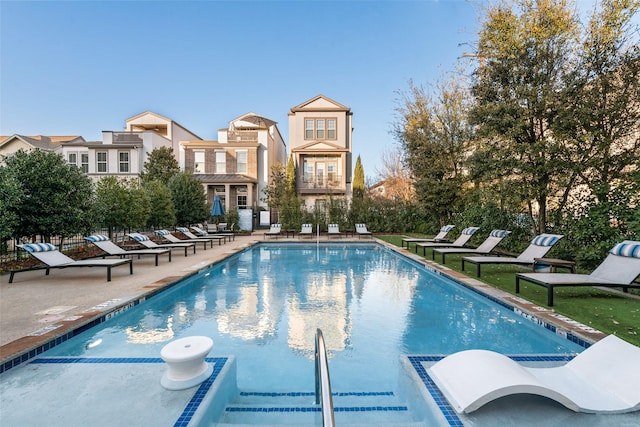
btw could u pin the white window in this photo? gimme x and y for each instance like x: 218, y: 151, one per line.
x: 331, y: 128
x: 241, y: 159
x: 308, y: 129
x: 221, y: 162
x: 319, y: 129
x: 101, y: 162
x: 84, y: 162
x: 72, y: 159
x: 123, y: 162
x: 242, y: 197
x: 198, y: 162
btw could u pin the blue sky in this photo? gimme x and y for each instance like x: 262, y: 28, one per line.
x: 81, y: 67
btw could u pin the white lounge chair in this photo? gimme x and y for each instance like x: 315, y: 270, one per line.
x: 618, y: 270
x: 306, y: 230
x: 106, y: 245
x: 603, y: 379
x: 49, y: 255
x: 440, y: 237
x: 361, y: 230
x: 486, y: 247
x: 538, y: 248
x: 275, y: 230
x: 166, y: 234
x: 148, y: 243
x: 211, y: 237
x: 462, y: 240
x: 333, y: 230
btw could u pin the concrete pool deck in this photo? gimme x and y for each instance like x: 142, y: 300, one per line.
x: 36, y: 309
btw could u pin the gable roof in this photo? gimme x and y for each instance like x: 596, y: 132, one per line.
x: 319, y: 146
x: 252, y: 121
x: 42, y: 142
x: 320, y: 103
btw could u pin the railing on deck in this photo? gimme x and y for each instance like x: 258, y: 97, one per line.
x: 323, y: 383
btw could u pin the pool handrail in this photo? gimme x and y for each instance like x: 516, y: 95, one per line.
x: 323, y: 382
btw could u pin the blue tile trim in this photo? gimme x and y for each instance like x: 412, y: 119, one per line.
x: 310, y: 393
x: 314, y: 408
x: 196, y: 400
x: 448, y: 412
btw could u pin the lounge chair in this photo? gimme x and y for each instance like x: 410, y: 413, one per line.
x: 166, y: 234
x: 333, y: 230
x: 462, y: 240
x: 112, y: 249
x: 148, y: 243
x: 361, y: 230
x: 485, y: 248
x: 306, y: 230
x: 201, y: 233
x: 538, y: 248
x: 211, y: 237
x: 603, y: 379
x: 618, y: 270
x: 275, y: 230
x: 49, y: 255
x: 440, y: 237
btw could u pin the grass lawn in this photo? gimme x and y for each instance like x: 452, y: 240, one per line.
x: 605, y: 311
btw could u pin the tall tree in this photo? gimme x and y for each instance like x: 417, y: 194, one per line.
x: 11, y: 195
x: 434, y: 131
x: 189, y: 199
x: 358, y: 180
x: 57, y: 199
x: 121, y: 204
x: 396, y: 175
x: 161, y: 165
x: 601, y: 103
x: 291, y: 176
x: 162, y: 213
x: 527, y: 47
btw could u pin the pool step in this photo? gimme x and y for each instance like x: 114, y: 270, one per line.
x: 350, y: 409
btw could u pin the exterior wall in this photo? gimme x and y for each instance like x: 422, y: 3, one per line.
x: 14, y: 146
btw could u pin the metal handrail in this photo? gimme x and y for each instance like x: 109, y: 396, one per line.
x: 323, y: 383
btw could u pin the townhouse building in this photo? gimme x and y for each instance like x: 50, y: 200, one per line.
x: 320, y: 137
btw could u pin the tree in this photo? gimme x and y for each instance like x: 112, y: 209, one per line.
x: 527, y: 48
x: 121, y: 204
x: 162, y: 213
x: 161, y: 165
x: 56, y: 199
x: 601, y: 100
x: 396, y: 176
x: 189, y: 199
x: 435, y: 134
x: 291, y: 176
x: 276, y: 192
x: 358, y: 180
x: 11, y: 194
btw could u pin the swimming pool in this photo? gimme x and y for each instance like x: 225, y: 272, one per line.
x: 263, y: 306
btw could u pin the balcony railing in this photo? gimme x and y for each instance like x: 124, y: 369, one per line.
x: 126, y: 137
x: 242, y: 136
x: 321, y: 181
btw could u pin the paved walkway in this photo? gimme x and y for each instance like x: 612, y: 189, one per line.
x: 36, y: 309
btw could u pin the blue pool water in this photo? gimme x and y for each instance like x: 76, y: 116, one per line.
x: 264, y: 304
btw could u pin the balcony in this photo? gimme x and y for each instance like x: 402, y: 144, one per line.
x: 322, y: 182
x: 242, y: 136
x: 127, y: 138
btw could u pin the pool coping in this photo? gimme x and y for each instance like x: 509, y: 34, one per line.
x: 26, y: 348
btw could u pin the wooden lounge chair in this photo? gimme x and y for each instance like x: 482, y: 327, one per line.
x: 275, y: 230
x: 618, y: 270
x: 148, y: 243
x: 111, y: 249
x: 440, y: 237
x: 538, y: 248
x: 462, y: 240
x: 485, y: 248
x: 49, y: 255
x: 603, y: 379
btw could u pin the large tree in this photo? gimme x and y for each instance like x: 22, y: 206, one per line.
x: 358, y: 185
x: 56, y: 199
x: 121, y: 204
x: 163, y: 213
x: 435, y: 134
x: 527, y: 47
x: 189, y: 199
x: 161, y: 165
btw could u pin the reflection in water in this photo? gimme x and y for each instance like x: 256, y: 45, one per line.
x: 151, y: 329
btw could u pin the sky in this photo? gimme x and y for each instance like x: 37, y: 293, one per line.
x: 81, y: 67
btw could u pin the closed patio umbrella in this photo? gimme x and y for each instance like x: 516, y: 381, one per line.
x: 217, y: 209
